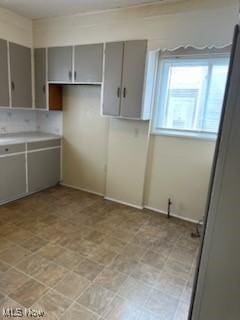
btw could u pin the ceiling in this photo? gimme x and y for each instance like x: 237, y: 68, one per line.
x: 36, y: 9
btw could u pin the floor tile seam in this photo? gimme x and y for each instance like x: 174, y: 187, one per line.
x: 94, y: 312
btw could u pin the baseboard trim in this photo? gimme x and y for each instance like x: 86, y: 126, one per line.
x: 82, y: 189
x: 129, y: 204
x: 124, y: 203
x: 172, y: 214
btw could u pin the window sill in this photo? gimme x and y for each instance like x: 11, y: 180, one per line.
x: 185, y: 134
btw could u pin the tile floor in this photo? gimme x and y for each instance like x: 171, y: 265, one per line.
x: 75, y: 256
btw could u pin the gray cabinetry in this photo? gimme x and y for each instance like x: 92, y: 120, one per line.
x: 124, y: 77
x: 133, y: 78
x: 28, y: 168
x: 21, y: 76
x: 112, y: 78
x: 88, y: 63
x: 43, y: 168
x: 13, y: 177
x: 60, y: 64
x: 4, y: 80
x: 40, y: 78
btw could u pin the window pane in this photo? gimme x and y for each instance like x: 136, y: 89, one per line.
x: 215, y: 98
x: 184, y: 96
x: 191, y: 94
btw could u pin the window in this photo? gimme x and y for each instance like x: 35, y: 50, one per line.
x: 190, y: 96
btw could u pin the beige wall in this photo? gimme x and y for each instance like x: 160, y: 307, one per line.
x: 192, y: 22
x: 179, y: 169
x: 85, y: 139
x: 164, y: 25
x: 15, y: 28
x: 127, y: 154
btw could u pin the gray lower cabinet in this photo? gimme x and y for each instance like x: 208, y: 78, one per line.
x: 60, y: 64
x: 124, y: 77
x: 4, y: 81
x: 40, y: 78
x: 21, y: 75
x: 13, y: 177
x: 43, y: 169
x: 88, y: 63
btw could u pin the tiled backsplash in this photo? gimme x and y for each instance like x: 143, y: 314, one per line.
x: 51, y: 122
x: 30, y: 120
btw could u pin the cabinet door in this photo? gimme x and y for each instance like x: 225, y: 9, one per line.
x: 4, y: 84
x: 43, y: 169
x: 60, y: 64
x: 88, y: 63
x: 12, y: 177
x: 40, y: 78
x: 21, y: 76
x: 133, y: 78
x: 112, y: 79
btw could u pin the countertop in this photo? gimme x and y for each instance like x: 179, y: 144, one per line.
x: 26, y: 137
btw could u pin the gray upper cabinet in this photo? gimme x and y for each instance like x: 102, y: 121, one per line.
x: 40, y: 78
x: 4, y: 80
x: 112, y: 79
x: 88, y: 63
x: 21, y: 76
x: 124, y: 77
x: 60, y: 64
x: 133, y: 78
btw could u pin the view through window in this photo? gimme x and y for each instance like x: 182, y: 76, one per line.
x: 190, y: 95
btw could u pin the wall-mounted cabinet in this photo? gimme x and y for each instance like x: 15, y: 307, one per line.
x: 65, y: 65
x: 21, y: 75
x: 123, y: 82
x: 4, y: 79
x: 60, y: 67
x: 124, y: 76
x: 47, y: 96
x: 112, y: 84
x: 88, y: 63
x: 79, y: 64
x: 40, y: 72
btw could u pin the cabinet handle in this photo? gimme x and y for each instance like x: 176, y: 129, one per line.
x: 75, y: 75
x: 44, y: 88
x: 13, y: 86
x: 124, y: 92
x: 70, y: 75
x: 118, y: 92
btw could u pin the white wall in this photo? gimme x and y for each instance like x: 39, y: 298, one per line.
x: 15, y: 28
x: 198, y: 23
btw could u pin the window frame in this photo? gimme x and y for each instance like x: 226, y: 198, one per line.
x: 192, y: 59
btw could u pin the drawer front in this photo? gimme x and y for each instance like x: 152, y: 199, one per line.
x: 12, y: 148
x: 43, y: 144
